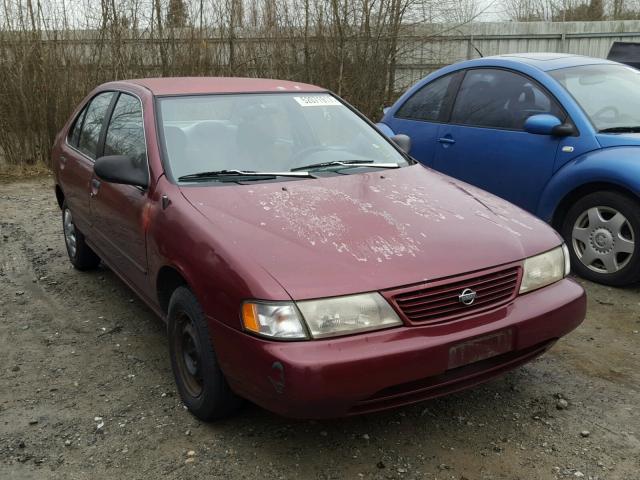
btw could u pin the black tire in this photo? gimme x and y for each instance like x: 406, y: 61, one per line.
x: 201, y: 383
x: 604, y: 238
x: 80, y: 254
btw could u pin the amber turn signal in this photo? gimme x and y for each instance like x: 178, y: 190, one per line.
x: 250, y: 317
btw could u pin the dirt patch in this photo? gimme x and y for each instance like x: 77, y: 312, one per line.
x: 86, y: 391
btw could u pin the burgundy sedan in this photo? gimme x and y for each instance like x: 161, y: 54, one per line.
x: 301, y: 259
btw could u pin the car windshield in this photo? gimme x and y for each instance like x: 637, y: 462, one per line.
x: 276, y: 132
x: 608, y: 94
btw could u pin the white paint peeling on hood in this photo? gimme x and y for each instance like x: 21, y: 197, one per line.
x: 301, y: 213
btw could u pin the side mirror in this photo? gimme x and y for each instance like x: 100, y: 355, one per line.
x: 545, y: 124
x: 121, y: 169
x: 403, y: 141
x: 564, y: 130
x: 385, y: 110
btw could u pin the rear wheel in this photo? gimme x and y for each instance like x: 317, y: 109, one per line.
x: 602, y: 231
x: 80, y: 254
x: 201, y: 383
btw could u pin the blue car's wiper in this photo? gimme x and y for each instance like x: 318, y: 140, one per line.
x: 241, y: 173
x: 625, y: 129
x: 347, y: 163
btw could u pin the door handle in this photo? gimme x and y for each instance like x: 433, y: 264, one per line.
x: 446, y: 140
x: 95, y: 186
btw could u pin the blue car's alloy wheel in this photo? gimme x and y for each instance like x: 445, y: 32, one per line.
x: 602, y: 230
x: 603, y: 239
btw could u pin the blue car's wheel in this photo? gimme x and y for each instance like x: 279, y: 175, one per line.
x: 602, y: 231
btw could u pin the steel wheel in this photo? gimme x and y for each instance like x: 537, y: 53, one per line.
x: 189, y: 356
x: 82, y: 257
x: 200, y: 381
x: 70, y: 237
x: 603, y: 239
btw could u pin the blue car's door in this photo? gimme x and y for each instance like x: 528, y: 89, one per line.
x: 484, y: 142
x: 421, y: 115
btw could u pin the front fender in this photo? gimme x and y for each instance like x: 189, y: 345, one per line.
x: 618, y: 166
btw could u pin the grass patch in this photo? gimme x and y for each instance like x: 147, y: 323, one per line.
x: 9, y: 173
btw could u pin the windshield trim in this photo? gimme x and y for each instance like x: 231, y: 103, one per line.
x: 162, y: 146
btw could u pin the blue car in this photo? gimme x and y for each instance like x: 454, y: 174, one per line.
x: 558, y: 135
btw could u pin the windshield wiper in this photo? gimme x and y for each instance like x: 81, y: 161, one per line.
x: 625, y: 129
x: 241, y: 173
x: 347, y: 163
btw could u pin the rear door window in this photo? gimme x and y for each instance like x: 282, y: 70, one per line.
x: 431, y: 102
x: 92, y: 124
x: 502, y: 99
x: 74, y: 133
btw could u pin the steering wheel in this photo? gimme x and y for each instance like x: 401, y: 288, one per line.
x: 600, y: 113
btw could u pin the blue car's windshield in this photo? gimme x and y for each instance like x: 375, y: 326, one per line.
x: 276, y: 132
x: 608, y: 94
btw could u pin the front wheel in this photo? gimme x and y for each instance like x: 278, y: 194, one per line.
x: 201, y: 383
x: 602, y: 231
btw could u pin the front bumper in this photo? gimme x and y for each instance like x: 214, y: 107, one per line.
x: 384, y: 369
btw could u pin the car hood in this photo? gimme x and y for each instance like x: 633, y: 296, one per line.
x: 618, y: 139
x: 364, y: 232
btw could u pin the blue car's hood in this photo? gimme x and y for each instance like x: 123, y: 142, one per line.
x: 618, y: 139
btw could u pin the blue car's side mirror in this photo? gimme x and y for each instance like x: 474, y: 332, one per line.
x: 545, y: 124
x: 402, y: 141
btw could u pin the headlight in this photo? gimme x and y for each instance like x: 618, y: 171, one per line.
x: 545, y: 269
x: 277, y: 320
x: 350, y: 314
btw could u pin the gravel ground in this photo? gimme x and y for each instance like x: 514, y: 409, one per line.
x: 86, y: 391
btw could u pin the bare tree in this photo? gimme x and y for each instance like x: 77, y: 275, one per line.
x: 53, y: 53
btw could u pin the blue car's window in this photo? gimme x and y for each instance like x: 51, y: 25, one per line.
x: 429, y: 103
x: 92, y: 124
x: 608, y: 94
x: 500, y: 99
x: 266, y: 133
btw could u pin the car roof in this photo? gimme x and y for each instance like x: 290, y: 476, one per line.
x: 549, y: 61
x: 203, y: 85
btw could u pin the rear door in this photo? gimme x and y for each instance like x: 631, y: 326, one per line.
x: 77, y: 155
x: 485, y: 144
x: 421, y: 115
x: 119, y: 211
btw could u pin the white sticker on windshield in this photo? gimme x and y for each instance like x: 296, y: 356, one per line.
x: 317, y: 101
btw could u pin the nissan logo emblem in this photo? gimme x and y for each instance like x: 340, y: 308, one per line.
x: 467, y: 297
